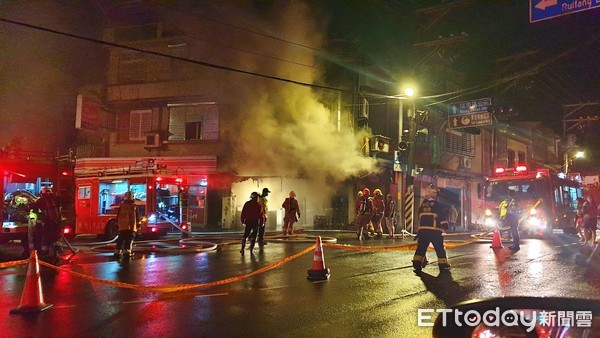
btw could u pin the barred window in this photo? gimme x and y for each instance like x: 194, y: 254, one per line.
x: 140, y: 124
x: 460, y: 143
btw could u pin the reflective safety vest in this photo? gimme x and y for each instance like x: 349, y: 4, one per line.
x: 433, y: 215
x: 505, y: 206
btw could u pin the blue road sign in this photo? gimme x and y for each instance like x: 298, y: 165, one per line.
x: 469, y: 107
x: 547, y: 9
x: 469, y: 113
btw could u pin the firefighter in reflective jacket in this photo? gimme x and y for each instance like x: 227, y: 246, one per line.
x: 432, y: 224
x: 365, y: 210
x: 378, y: 213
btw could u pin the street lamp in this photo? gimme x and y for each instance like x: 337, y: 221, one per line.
x: 401, y: 180
x: 408, y: 92
x: 578, y: 154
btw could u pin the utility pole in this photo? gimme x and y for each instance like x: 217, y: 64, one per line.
x: 401, y: 175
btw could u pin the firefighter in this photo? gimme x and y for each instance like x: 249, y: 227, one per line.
x: 357, y: 205
x: 432, y: 224
x: 127, y: 220
x: 48, y: 212
x: 590, y: 220
x: 365, y: 210
x: 509, y: 216
x: 378, y: 213
x: 390, y: 215
x: 252, y: 217
x: 292, y: 213
x: 261, y: 229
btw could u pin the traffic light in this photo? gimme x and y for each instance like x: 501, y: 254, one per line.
x: 403, y: 146
x: 400, y: 157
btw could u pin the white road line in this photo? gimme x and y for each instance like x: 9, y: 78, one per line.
x: 275, y: 287
x: 321, y: 281
x: 63, y: 306
x: 213, y: 295
x: 139, y: 301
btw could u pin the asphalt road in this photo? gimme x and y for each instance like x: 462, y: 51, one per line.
x: 369, y: 292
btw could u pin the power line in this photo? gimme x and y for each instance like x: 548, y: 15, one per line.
x: 201, y: 63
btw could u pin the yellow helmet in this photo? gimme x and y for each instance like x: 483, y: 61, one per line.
x: 377, y: 192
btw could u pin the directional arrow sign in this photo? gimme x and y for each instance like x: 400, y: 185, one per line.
x: 547, y: 9
x: 469, y: 120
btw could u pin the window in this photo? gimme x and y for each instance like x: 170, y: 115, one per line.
x: 132, y: 67
x: 460, y: 143
x: 521, y: 157
x: 194, y: 122
x: 84, y: 192
x: 193, y: 131
x: 511, y: 158
x: 140, y: 124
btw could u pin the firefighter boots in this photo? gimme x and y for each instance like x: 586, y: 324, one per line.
x: 252, y: 243
x: 444, y: 266
x: 243, y: 246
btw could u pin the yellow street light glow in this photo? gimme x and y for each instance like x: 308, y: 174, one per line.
x: 579, y: 154
x: 409, y: 92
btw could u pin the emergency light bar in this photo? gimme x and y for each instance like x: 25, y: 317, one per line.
x: 499, y: 171
x: 520, y: 169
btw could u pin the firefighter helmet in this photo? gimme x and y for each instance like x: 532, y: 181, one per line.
x: 377, y: 192
x: 366, y: 192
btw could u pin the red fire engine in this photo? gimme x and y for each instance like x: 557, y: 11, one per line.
x: 22, y: 175
x: 547, y: 200
x: 169, y: 193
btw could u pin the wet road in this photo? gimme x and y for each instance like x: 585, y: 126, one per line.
x: 369, y: 293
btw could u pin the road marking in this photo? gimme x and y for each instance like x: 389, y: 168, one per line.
x: 139, y: 301
x: 164, y: 298
x: 275, y: 287
x: 321, y: 281
x: 213, y: 295
x: 63, y: 306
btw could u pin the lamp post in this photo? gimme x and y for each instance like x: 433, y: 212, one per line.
x: 578, y: 154
x: 401, y: 179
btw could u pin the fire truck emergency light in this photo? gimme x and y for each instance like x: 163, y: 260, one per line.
x: 499, y: 171
x: 520, y: 169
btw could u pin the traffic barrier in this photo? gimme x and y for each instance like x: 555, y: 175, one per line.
x: 318, y: 270
x: 496, y: 241
x: 32, y: 300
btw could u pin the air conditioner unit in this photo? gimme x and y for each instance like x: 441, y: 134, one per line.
x: 364, y: 109
x: 380, y: 144
x: 153, y: 140
x: 465, y: 163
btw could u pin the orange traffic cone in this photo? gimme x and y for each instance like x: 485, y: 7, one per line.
x: 32, y: 300
x: 318, y: 271
x: 496, y: 241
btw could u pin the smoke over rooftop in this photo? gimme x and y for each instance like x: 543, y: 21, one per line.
x: 285, y: 129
